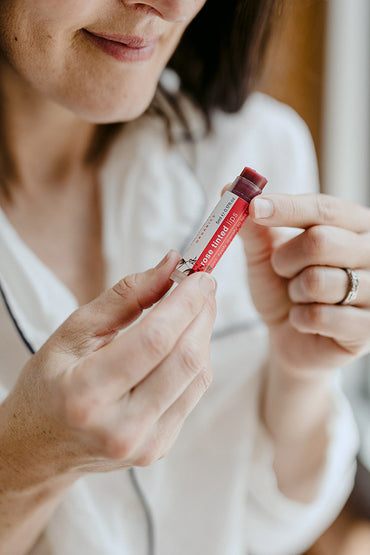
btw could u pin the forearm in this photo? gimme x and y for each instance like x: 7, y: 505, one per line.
x: 296, y: 413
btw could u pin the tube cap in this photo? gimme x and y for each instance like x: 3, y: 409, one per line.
x: 248, y: 184
x: 254, y: 177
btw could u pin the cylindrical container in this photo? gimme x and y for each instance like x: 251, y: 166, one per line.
x: 221, y: 226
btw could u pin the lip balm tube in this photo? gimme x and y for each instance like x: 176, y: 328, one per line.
x: 221, y: 226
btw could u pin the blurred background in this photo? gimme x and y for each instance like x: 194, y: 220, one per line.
x: 318, y: 62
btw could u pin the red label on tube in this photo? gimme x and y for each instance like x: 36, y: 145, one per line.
x: 221, y: 226
x: 222, y: 237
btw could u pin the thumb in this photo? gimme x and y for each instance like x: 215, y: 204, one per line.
x: 96, y: 323
x: 258, y: 242
x: 268, y: 290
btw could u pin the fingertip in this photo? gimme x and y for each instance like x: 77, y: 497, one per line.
x: 171, y: 258
x: 205, y: 281
x: 225, y: 188
x: 261, y: 208
x: 208, y: 283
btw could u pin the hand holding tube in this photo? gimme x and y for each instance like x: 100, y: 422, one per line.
x: 93, y: 400
x: 298, y: 285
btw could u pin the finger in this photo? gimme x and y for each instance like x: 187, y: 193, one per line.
x: 146, y: 432
x: 155, y: 410
x: 163, y: 434
x: 160, y: 436
x: 258, y: 242
x: 175, y: 416
x: 190, y: 357
x: 346, y: 324
x: 322, y: 245
x: 92, y: 325
x: 124, y: 362
x: 320, y: 284
x: 304, y: 211
x: 225, y: 188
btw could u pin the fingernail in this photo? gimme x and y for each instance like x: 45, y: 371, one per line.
x: 207, y: 284
x: 263, y: 208
x: 164, y: 260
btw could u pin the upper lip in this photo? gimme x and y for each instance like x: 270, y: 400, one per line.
x: 131, y: 41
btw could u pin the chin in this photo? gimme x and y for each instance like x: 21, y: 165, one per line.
x: 110, y: 106
x: 106, y: 113
x: 101, y: 115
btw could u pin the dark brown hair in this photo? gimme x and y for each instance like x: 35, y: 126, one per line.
x: 217, y: 61
x: 221, y: 52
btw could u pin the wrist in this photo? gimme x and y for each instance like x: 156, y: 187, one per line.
x: 296, y: 411
x: 294, y: 406
x: 30, y: 456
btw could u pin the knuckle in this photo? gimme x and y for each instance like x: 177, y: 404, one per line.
x: 192, y: 304
x: 190, y: 356
x: 276, y: 262
x: 326, y: 207
x: 156, y: 338
x: 146, y: 459
x: 312, y: 281
x: 316, y: 315
x: 77, y: 412
x: 316, y: 240
x: 292, y: 208
x: 151, y: 454
x: 126, y: 287
x: 77, y: 318
x: 121, y: 444
x: 206, y: 378
x: 79, y: 396
x: 118, y: 447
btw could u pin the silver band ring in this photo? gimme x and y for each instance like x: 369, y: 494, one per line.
x: 353, y: 285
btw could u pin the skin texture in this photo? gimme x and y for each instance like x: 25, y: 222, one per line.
x: 92, y: 400
x: 46, y: 47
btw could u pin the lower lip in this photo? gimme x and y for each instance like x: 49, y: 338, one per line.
x: 122, y: 52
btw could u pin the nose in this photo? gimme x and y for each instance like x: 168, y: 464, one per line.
x: 170, y: 10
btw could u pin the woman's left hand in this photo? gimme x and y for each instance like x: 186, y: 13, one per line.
x: 298, y: 283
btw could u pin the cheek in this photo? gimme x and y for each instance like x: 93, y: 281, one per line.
x: 33, y: 28
x: 43, y: 43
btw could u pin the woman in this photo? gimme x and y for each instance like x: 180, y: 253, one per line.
x: 265, y: 461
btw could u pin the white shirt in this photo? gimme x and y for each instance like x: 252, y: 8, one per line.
x: 215, y: 493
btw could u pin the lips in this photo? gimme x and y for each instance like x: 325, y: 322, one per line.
x: 123, y: 48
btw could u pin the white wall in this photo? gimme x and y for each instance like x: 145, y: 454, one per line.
x: 347, y: 101
x: 346, y: 149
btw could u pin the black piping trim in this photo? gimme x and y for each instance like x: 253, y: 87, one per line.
x: 15, y: 322
x: 132, y: 474
x: 147, y: 510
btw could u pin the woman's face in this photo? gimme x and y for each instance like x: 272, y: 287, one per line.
x: 99, y: 58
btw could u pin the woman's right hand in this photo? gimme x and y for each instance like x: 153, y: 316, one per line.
x: 92, y: 399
